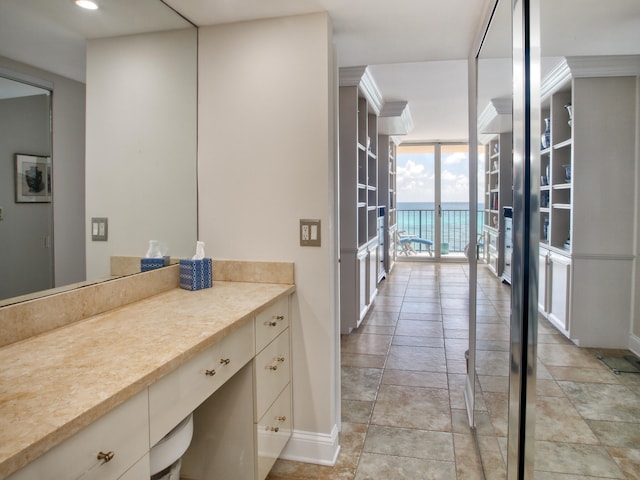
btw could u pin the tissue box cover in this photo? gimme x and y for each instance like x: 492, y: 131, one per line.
x: 147, y: 264
x: 196, y: 274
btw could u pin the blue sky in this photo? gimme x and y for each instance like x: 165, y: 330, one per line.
x: 415, y: 175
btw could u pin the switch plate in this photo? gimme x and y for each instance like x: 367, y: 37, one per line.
x: 309, y: 233
x: 99, y: 229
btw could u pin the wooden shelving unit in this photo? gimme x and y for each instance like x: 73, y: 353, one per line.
x: 495, y: 133
x: 587, y: 203
x: 360, y: 102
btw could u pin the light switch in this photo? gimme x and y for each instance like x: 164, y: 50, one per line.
x: 99, y: 229
x: 309, y: 233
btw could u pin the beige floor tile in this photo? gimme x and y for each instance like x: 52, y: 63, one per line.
x: 362, y: 360
x: 414, y: 379
x: 468, y: 464
x: 585, y: 460
x: 412, y: 407
x: 557, y: 420
x: 628, y: 460
x: 366, y: 343
x: 360, y: 383
x: 376, y: 467
x: 617, y: 434
x: 426, y: 359
x: 409, y: 443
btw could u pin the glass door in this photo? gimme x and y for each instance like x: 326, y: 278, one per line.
x: 453, y: 211
x: 433, y: 199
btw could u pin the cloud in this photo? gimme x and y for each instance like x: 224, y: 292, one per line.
x: 456, y: 158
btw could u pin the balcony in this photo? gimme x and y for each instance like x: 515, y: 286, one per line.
x: 454, y: 229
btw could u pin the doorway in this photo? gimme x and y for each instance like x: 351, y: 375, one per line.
x: 433, y: 197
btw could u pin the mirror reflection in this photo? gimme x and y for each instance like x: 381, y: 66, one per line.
x: 493, y: 303
x: 121, y: 138
x: 587, y: 411
x: 26, y: 211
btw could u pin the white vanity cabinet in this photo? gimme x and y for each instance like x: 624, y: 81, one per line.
x: 241, y: 429
x: 176, y: 395
x: 110, y: 448
x: 272, y: 377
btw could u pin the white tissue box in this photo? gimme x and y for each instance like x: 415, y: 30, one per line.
x: 147, y: 264
x: 196, y: 274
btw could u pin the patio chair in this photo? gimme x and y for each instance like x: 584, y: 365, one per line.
x: 406, y: 247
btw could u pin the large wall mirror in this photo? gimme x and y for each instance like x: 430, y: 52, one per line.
x: 493, y: 306
x: 586, y: 334
x: 587, y: 416
x: 109, y: 99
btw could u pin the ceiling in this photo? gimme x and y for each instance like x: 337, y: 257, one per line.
x: 417, y: 49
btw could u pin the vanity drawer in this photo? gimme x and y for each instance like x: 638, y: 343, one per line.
x: 272, y: 372
x: 123, y: 431
x: 271, y: 322
x: 175, y: 396
x: 273, y: 432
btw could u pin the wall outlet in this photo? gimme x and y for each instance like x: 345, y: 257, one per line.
x: 309, y: 233
x: 99, y: 229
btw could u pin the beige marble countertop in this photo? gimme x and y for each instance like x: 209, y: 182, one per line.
x: 54, y: 384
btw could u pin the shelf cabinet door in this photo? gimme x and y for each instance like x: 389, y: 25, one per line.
x: 560, y: 274
x: 542, y: 281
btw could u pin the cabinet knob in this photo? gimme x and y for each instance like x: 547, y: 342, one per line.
x: 273, y: 429
x: 280, y: 359
x: 279, y: 317
x: 106, y: 457
x: 270, y: 324
x: 225, y: 361
x: 273, y: 367
x: 281, y: 419
x: 210, y: 373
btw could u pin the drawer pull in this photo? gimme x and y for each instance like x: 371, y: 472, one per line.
x: 280, y: 359
x: 210, y: 373
x: 273, y: 367
x: 106, y: 457
x: 281, y: 419
x: 273, y: 429
x: 274, y: 320
x: 225, y: 361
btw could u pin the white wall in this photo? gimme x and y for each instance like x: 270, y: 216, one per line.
x: 266, y: 149
x: 141, y: 144
x: 68, y: 105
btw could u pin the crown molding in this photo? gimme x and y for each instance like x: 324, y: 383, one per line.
x: 395, y: 119
x: 589, y: 67
x: 495, y: 118
x: 361, y: 77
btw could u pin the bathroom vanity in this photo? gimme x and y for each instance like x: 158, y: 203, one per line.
x: 91, y: 398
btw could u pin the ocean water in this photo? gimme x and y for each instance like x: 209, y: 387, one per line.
x: 418, y: 218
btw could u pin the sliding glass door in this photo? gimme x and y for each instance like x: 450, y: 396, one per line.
x: 433, y: 193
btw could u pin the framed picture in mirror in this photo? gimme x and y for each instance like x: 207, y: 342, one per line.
x: 33, y: 179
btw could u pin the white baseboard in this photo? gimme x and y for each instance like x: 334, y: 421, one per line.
x: 634, y: 344
x: 312, y: 447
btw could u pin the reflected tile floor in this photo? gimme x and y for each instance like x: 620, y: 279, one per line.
x: 403, y: 376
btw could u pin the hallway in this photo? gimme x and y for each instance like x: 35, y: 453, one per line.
x: 403, y: 375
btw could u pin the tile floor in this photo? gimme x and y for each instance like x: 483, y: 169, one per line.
x: 403, y: 374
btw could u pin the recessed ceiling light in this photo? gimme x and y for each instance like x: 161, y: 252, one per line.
x: 88, y: 4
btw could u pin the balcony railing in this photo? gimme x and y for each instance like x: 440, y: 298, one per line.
x: 454, y: 230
